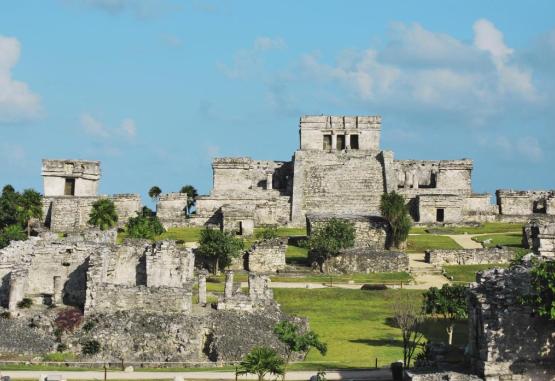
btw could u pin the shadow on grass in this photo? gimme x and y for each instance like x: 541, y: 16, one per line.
x: 379, y: 342
x: 435, y: 330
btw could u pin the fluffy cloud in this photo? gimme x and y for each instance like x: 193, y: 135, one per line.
x: 17, y: 102
x: 93, y: 127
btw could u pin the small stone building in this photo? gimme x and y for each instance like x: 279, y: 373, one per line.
x: 506, y: 340
x: 267, y: 256
x: 260, y: 295
x: 525, y: 203
x: 239, y: 220
x: 370, y: 231
x: 171, y: 209
x: 539, y: 236
x: 70, y: 190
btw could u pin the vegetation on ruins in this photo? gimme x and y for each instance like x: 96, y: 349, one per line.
x: 448, y: 302
x: 269, y: 232
x: 220, y: 247
x: 262, y: 361
x: 90, y: 347
x: 25, y: 303
x: 408, y: 316
x: 154, y: 192
x: 543, y: 284
x: 103, y: 214
x: 288, y: 333
x: 329, y: 239
x: 69, y: 319
x: 192, y: 194
x: 145, y: 225
x: 393, y: 209
x: 17, y: 210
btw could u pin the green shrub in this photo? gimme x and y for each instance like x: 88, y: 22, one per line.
x: 329, y: 239
x: 61, y: 347
x: 25, y: 303
x: 219, y: 247
x: 90, y: 347
x: 103, y: 214
x: 144, y: 226
x: 89, y: 326
x: 394, y: 210
x: 543, y: 283
x: 59, y: 356
x: 6, y: 315
x: 12, y: 233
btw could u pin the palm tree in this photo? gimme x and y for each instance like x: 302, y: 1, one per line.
x: 30, y: 206
x: 261, y: 361
x: 103, y: 214
x: 191, y: 191
x: 154, y: 193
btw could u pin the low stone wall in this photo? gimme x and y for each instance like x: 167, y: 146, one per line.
x: 469, y: 256
x: 415, y: 375
x: 267, y: 255
x: 539, y: 235
x: 364, y: 260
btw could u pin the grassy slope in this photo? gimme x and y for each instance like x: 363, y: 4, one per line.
x: 512, y: 239
x: 467, y: 273
x: 355, y: 325
x: 488, y: 227
x: 421, y: 243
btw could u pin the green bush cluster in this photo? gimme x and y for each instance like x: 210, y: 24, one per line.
x: 329, y: 239
x: 16, y: 213
x: 270, y: 232
x: 90, y: 347
x: 25, y: 303
x: 146, y: 225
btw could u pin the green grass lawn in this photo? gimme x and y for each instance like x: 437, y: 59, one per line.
x: 421, y: 243
x: 512, y: 239
x: 467, y: 273
x: 356, y: 325
x: 418, y: 230
x: 296, y: 255
x: 488, y: 227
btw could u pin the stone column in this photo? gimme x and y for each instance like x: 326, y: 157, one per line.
x: 415, y: 180
x: 228, y: 288
x: 347, y: 140
x: 57, y: 297
x: 269, y: 180
x: 333, y: 141
x: 16, y: 293
x: 202, y: 287
x: 408, y: 180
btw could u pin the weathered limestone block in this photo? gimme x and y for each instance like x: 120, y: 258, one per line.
x: 267, y: 256
x: 365, y: 260
x: 79, y: 177
x: 446, y: 208
x: 539, y: 236
x: 239, y: 220
x: 260, y: 295
x: 525, y: 203
x: 469, y: 256
x: 415, y: 375
x: 506, y: 340
x: 171, y: 209
x: 370, y: 231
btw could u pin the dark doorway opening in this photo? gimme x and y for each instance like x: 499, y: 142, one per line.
x: 440, y: 215
x: 354, y: 141
x: 539, y: 207
x: 69, y: 188
x: 327, y: 142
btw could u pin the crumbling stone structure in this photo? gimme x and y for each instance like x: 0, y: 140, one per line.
x: 370, y: 231
x: 267, y: 256
x: 469, y: 256
x: 260, y: 295
x: 506, y: 340
x: 340, y: 168
x: 525, y: 203
x: 364, y: 260
x: 539, y: 236
x: 239, y: 220
x: 171, y: 209
x: 70, y: 189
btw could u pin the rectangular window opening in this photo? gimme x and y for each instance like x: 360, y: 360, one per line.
x: 69, y: 188
x: 340, y: 142
x: 440, y: 215
x: 327, y: 142
x: 354, y: 141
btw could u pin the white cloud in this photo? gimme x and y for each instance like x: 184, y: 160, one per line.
x: 487, y: 37
x: 128, y: 128
x: 17, y: 102
x: 524, y: 147
x: 94, y: 127
x: 268, y: 43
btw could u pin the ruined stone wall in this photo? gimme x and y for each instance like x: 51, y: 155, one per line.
x: 86, y: 175
x: 169, y: 265
x: 505, y: 337
x: 370, y: 231
x: 539, y: 236
x: 415, y: 177
x: 69, y: 213
x: 267, y: 255
x: 366, y: 260
x: 525, y: 203
x: 350, y: 182
x: 469, y: 256
x: 171, y: 209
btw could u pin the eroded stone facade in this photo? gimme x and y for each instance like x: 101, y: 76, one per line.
x: 469, y: 256
x: 267, y: 256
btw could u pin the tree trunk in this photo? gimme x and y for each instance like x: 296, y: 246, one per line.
x: 216, y: 266
x: 28, y: 228
x: 450, y: 333
x: 260, y: 376
x: 287, y: 359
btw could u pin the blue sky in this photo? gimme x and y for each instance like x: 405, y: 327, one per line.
x: 155, y: 89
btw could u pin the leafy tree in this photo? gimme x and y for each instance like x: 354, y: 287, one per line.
x: 191, y: 191
x: 261, y: 361
x: 328, y: 240
x: 220, y: 247
x: 8, y: 206
x: 288, y: 333
x: 543, y: 284
x: 270, y: 232
x: 29, y: 207
x: 11, y: 233
x: 103, y: 214
x: 394, y: 210
x: 408, y: 316
x: 154, y: 193
x: 145, y: 225
x: 449, y: 302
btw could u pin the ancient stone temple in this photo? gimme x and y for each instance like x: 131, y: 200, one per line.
x: 71, y: 188
x: 340, y: 168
